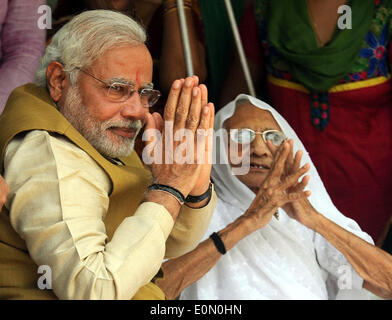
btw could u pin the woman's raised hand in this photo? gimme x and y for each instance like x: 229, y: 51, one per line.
x: 278, y: 189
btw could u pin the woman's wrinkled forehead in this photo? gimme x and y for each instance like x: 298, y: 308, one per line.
x: 250, y: 116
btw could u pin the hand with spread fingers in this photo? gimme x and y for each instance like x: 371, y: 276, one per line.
x: 301, y: 209
x: 4, y: 190
x: 355, y: 249
x: 278, y: 189
x: 183, y: 163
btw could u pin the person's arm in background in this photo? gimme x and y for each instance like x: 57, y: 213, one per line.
x: 172, y: 62
x: 235, y: 82
x: 4, y: 190
x: 22, y: 45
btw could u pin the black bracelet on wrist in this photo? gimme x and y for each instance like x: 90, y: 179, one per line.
x: 173, y: 191
x: 196, y: 199
x: 220, y: 246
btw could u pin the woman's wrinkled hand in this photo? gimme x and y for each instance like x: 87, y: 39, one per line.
x: 278, y: 189
x: 301, y: 209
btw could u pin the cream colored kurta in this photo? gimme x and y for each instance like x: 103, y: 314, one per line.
x: 58, y: 201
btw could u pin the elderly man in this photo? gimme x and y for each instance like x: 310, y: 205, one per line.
x: 85, y: 219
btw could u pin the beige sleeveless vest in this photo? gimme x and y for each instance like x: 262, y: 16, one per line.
x: 29, y: 108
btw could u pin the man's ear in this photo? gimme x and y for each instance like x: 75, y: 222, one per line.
x: 57, y: 80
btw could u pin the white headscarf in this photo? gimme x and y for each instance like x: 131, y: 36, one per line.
x: 283, y: 260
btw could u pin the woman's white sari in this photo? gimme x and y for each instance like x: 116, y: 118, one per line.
x: 283, y: 260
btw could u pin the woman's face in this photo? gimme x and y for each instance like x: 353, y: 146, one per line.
x: 261, y: 157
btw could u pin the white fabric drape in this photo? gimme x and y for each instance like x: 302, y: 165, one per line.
x: 283, y: 260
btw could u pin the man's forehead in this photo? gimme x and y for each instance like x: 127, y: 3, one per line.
x: 138, y: 71
x: 131, y: 65
x: 128, y: 81
x: 139, y: 77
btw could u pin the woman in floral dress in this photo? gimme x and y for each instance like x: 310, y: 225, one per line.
x: 328, y: 74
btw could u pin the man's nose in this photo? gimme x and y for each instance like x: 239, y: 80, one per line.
x: 259, y: 147
x: 133, y: 108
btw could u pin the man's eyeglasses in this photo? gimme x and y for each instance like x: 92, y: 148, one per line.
x: 246, y: 136
x: 120, y: 92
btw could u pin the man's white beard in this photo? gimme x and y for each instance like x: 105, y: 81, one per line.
x: 95, y: 131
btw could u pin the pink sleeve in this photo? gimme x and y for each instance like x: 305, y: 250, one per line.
x: 22, y: 44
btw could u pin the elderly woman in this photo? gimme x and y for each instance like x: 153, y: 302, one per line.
x: 275, y: 248
x: 325, y: 66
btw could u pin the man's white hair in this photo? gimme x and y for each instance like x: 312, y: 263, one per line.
x: 87, y: 37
